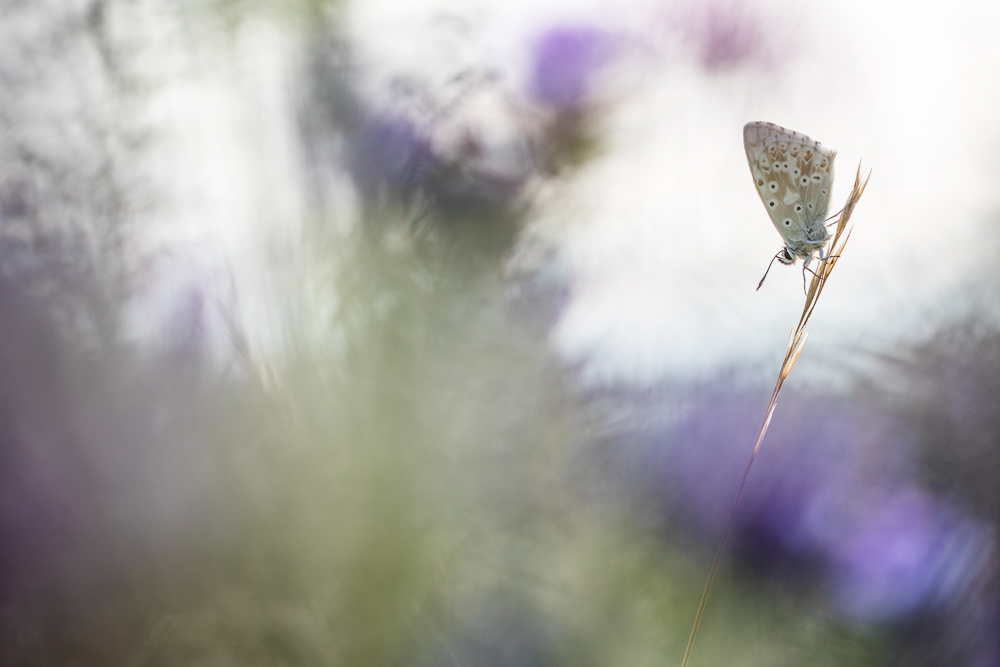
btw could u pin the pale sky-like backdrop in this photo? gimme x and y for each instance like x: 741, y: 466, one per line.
x: 661, y: 236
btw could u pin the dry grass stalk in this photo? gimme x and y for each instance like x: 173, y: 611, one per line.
x: 796, y: 343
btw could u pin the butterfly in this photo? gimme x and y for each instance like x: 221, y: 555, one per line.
x: 794, y: 177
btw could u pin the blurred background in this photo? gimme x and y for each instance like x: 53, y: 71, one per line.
x: 377, y: 333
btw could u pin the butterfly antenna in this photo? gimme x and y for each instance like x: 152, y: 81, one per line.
x: 768, y: 270
x: 834, y: 217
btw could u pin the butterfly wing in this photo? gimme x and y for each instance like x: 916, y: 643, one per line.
x: 793, y: 175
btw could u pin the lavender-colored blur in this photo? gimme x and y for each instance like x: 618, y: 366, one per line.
x: 387, y: 151
x: 722, y: 35
x: 907, y: 552
x: 565, y: 63
x: 834, y: 503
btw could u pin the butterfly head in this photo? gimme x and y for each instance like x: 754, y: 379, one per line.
x: 786, y: 256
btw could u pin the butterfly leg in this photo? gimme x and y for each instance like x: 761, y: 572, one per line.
x: 823, y: 257
x: 805, y: 267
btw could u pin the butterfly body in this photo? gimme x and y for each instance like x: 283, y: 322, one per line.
x: 793, y: 175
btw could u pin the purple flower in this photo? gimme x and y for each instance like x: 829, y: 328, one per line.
x: 904, y: 553
x: 388, y: 150
x: 809, y: 462
x: 829, y: 497
x: 391, y: 155
x: 721, y: 35
x: 565, y: 61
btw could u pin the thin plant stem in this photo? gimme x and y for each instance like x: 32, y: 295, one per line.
x: 796, y: 343
x: 729, y: 525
